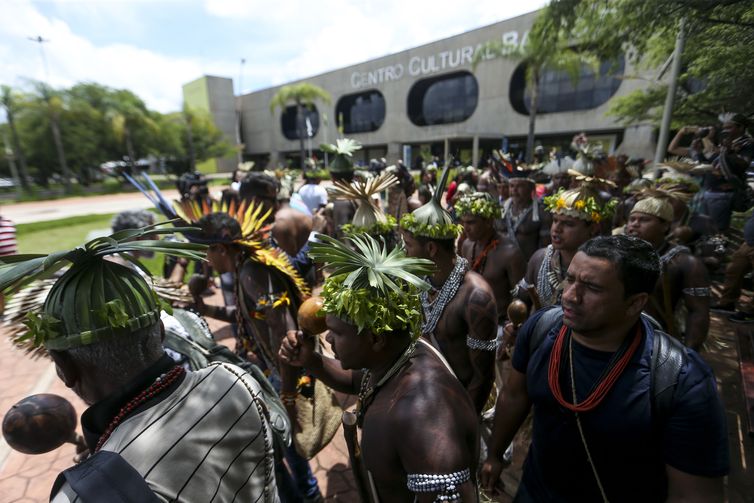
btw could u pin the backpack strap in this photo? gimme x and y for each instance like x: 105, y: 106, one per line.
x: 668, y: 358
x: 552, y: 316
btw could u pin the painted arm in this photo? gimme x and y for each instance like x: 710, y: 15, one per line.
x: 481, y: 318
x: 696, y: 296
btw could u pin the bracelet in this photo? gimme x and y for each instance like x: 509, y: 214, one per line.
x: 288, y: 397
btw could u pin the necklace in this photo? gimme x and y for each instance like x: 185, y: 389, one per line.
x: 367, y: 392
x: 433, y: 310
x: 154, y: 389
x: 580, y: 427
x: 481, y: 260
x: 606, y: 381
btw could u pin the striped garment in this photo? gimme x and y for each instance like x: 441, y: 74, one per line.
x: 208, y: 441
x: 7, y: 237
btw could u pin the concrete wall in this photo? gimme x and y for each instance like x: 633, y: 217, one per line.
x: 215, y: 96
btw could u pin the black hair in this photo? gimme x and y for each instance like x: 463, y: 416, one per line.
x: 132, y: 219
x: 637, y: 261
x: 257, y: 184
x: 219, y: 228
x: 342, y: 177
x: 449, y: 245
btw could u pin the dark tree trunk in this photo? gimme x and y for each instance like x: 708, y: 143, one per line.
x: 532, y: 119
x: 19, y: 154
x: 300, y: 127
x: 58, y: 139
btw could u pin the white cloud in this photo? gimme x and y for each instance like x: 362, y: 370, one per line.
x: 336, y: 33
x: 73, y: 58
x: 292, y: 39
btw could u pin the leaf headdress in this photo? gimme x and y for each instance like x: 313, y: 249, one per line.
x: 431, y: 220
x: 583, y: 202
x: 480, y: 204
x: 371, y: 287
x: 95, y: 298
x: 343, y: 151
x: 369, y: 218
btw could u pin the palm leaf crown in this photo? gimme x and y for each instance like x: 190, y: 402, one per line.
x: 432, y: 220
x: 343, y: 150
x: 95, y: 298
x: 371, y: 287
x: 255, y: 234
x: 369, y: 218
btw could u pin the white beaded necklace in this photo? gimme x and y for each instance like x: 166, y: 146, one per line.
x: 433, y: 310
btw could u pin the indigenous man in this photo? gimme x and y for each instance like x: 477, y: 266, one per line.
x: 155, y: 431
x: 524, y: 220
x: 341, y: 170
x: 684, y: 276
x: 268, y: 292
x: 602, y: 431
x: 576, y: 218
x: 460, y: 311
x: 491, y: 254
x: 419, y: 438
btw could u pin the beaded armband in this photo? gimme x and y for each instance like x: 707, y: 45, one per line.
x: 445, y: 485
x: 697, y: 292
x: 481, y: 345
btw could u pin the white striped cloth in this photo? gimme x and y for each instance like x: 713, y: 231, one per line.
x: 207, y: 442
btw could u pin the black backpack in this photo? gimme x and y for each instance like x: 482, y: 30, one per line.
x: 668, y: 358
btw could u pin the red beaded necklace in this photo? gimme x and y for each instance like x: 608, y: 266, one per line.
x: 479, y: 261
x: 607, y: 380
x: 156, y: 387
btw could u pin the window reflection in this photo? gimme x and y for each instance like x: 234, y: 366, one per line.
x: 443, y: 100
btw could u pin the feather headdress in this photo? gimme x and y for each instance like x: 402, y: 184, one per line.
x: 255, y: 234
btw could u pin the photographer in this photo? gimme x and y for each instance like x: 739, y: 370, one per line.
x: 703, y: 146
x: 724, y: 188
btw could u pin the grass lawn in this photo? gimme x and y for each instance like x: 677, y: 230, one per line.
x: 67, y: 233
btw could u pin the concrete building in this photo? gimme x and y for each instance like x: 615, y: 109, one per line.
x: 429, y: 100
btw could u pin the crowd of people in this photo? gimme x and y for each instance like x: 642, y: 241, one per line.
x: 572, y: 291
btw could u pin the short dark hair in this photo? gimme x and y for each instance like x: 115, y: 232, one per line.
x: 132, y: 219
x: 219, y: 228
x: 257, y: 184
x: 449, y: 245
x: 637, y: 261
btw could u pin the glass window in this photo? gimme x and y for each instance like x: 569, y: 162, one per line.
x: 361, y: 112
x: 288, y: 122
x: 558, y: 93
x: 443, y: 100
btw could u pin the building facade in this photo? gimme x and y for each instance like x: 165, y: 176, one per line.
x: 429, y: 100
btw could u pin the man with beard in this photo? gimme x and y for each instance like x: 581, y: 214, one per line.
x: 622, y: 412
x: 460, y: 311
x: 419, y: 430
x: 524, y: 220
x: 684, y: 276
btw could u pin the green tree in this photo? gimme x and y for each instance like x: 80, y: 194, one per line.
x: 50, y: 102
x: 129, y: 117
x: 301, y: 95
x: 10, y: 105
x: 542, y: 50
x: 716, y: 74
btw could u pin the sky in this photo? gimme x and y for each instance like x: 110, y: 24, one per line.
x: 153, y: 47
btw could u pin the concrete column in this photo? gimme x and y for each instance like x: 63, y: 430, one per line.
x: 475, y: 151
x: 394, y: 152
x: 446, y: 151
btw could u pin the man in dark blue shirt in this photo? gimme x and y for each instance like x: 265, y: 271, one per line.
x: 605, y: 443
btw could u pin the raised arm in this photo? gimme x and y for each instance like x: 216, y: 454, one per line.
x: 696, y: 296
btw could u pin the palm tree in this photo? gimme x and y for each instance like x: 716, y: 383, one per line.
x: 302, y: 95
x: 54, y: 105
x: 539, y: 53
x: 8, y: 101
x: 127, y: 112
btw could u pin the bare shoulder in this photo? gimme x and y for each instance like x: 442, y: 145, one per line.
x: 507, y: 248
x: 466, y: 248
x: 474, y: 283
x: 536, y: 260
